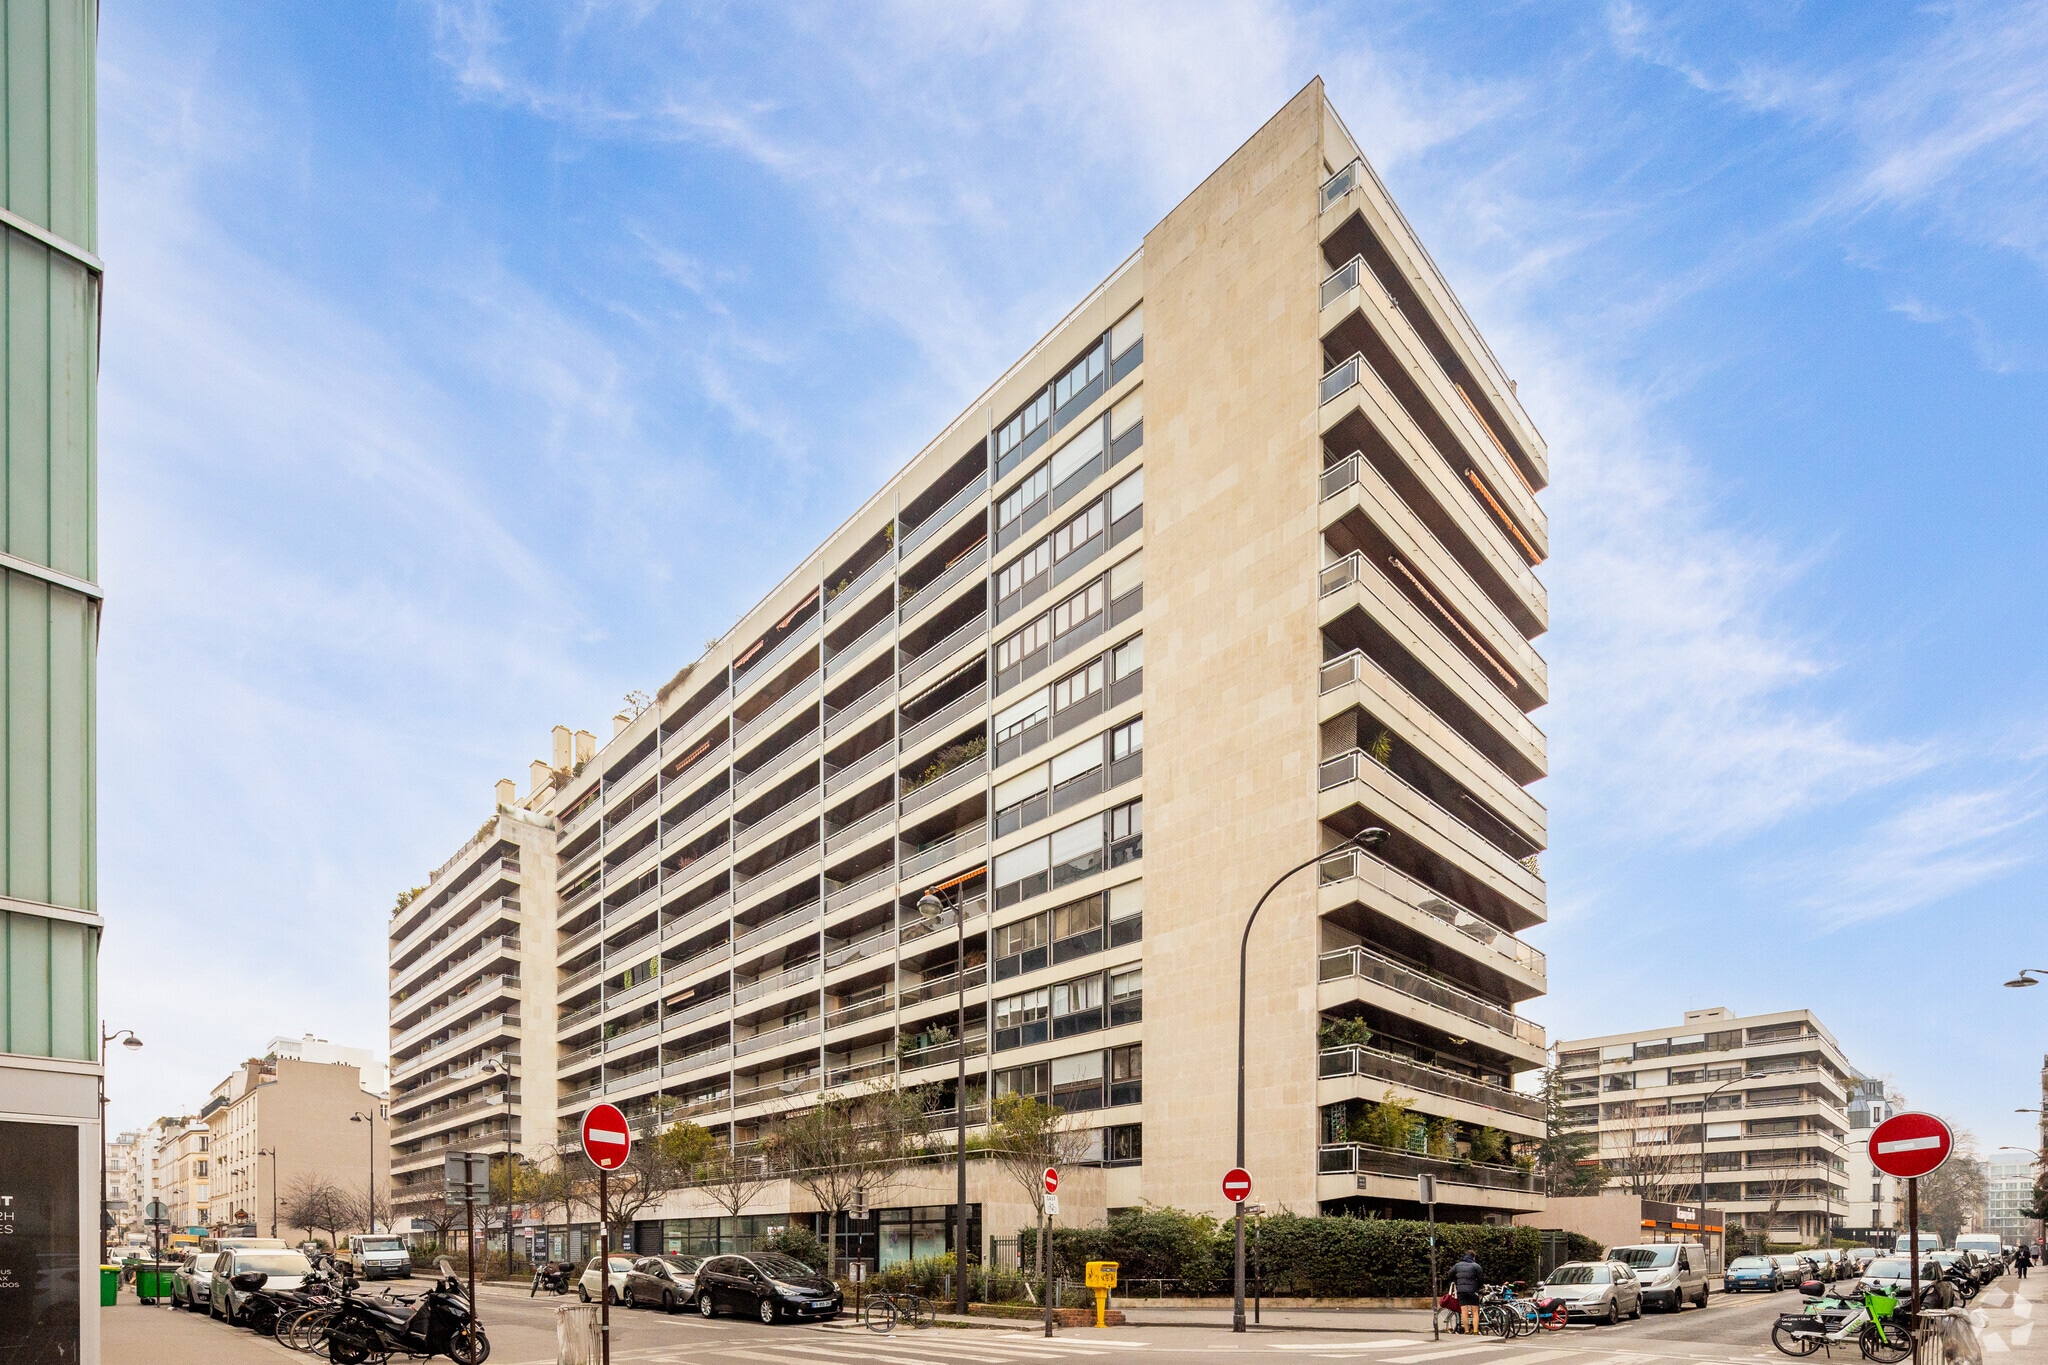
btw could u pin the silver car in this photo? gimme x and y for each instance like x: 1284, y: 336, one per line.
x: 282, y: 1270
x: 195, y: 1282
x: 1601, y: 1291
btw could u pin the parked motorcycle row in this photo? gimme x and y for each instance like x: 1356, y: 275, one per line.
x: 1874, y: 1313
x: 314, y: 1304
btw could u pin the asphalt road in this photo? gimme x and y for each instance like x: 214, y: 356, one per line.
x: 1731, y: 1330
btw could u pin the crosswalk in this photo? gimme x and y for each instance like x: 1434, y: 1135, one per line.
x: 851, y: 1345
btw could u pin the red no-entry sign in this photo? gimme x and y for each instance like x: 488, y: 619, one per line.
x: 1909, y: 1145
x: 1237, y: 1184
x: 607, y: 1140
x: 1052, y: 1181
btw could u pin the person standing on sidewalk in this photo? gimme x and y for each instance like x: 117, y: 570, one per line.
x: 2022, y: 1259
x: 1467, y: 1279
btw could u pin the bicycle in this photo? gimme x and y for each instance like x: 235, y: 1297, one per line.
x: 882, y: 1312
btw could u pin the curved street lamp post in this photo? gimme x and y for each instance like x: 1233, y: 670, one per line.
x: 131, y: 1042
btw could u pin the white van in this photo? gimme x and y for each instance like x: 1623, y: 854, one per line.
x: 1988, y: 1245
x: 379, y: 1258
x: 1671, y: 1274
x: 1927, y: 1242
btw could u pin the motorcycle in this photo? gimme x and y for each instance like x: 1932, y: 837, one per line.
x: 438, y: 1322
x: 553, y: 1276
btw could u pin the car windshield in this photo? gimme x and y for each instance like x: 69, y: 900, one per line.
x: 1749, y: 1263
x: 1882, y: 1270
x: 775, y: 1263
x: 683, y: 1265
x: 1789, y: 1262
x: 1641, y: 1258
x: 1581, y: 1274
x: 274, y: 1262
x: 379, y: 1243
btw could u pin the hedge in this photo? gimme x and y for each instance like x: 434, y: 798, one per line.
x: 1336, y: 1257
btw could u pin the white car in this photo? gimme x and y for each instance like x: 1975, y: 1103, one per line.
x: 195, y: 1282
x: 621, y: 1267
x: 281, y: 1270
x: 1601, y: 1291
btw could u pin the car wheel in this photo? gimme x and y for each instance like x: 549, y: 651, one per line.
x: 668, y: 1302
x: 582, y: 1293
x: 767, y: 1312
x: 609, y: 1295
x: 627, y: 1298
x: 1614, y: 1312
x: 705, y: 1307
x: 1635, y: 1314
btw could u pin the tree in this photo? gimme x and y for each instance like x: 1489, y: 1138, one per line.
x: 317, y: 1204
x: 1952, y: 1195
x: 546, y: 1186
x: 1568, y: 1155
x: 1026, y: 1138
x: 1647, y: 1163
x: 650, y: 1174
x: 732, y: 1179
x: 847, y: 1145
x: 365, y: 1208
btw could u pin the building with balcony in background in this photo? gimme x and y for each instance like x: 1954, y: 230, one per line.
x: 184, y: 1175
x: 1772, y: 1091
x: 1235, y: 563
x: 1876, y: 1200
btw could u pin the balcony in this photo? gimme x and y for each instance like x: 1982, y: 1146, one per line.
x: 1348, y: 1157
x: 951, y: 780
x: 955, y: 505
x: 910, y: 670
x: 846, y: 836
x: 918, y: 1058
x: 878, y: 1008
x: 756, y: 668
x: 953, y: 713
x: 881, y: 879
x: 697, y: 819
x: 703, y: 1009
x: 620, y: 1041
x: 1409, y: 1074
x: 747, y: 836
x: 1337, y: 380
x: 698, y: 1060
x: 1353, y: 866
x: 952, y: 846
x: 839, y: 599
x: 845, y: 779
x: 838, y: 661
x: 774, y: 711
x: 935, y: 590
x: 919, y: 927
x: 776, y: 764
x: 860, y: 949
x: 858, y: 1075
x: 776, y: 1090
x: 703, y: 764
x: 788, y: 1033
x: 789, y: 865
x: 839, y: 720
x: 1467, y: 847
x: 1340, y: 282
x: 1364, y: 964
x: 776, y: 925
x: 768, y: 985
x: 1339, y: 185
x: 941, y: 987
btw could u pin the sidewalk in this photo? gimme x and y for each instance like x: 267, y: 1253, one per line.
x: 134, y: 1334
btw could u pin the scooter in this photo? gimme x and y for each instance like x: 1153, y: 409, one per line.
x: 553, y: 1276
x: 438, y: 1322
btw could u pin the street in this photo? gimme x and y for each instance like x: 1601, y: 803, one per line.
x: 1731, y: 1329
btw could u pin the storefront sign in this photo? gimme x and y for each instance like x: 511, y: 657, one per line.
x: 41, y: 1250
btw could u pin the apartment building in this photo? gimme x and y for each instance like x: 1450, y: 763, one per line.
x: 1876, y: 1200
x: 276, y: 1121
x: 373, y: 1070
x: 184, y: 1174
x: 1763, y: 1099
x: 2008, y: 1195
x: 1233, y: 565
x: 471, y: 970
x: 125, y: 1182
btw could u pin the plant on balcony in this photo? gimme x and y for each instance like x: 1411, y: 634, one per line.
x: 1343, y: 1033
x: 1380, y: 749
x: 1390, y: 1123
x: 937, y: 1035
x: 947, y: 759
x: 1488, y: 1146
x: 1440, y: 1137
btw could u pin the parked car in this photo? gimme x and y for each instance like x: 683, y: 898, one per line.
x: 1793, y: 1269
x: 1752, y: 1272
x: 1669, y: 1273
x: 192, y: 1282
x: 586, y: 1288
x: 283, y: 1269
x: 1887, y: 1274
x: 1601, y: 1291
x: 665, y: 1282
x: 379, y: 1258
x: 765, y: 1285
x: 1989, y: 1246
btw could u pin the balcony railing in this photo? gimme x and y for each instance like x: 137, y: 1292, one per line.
x: 860, y: 949
x: 777, y: 924
x: 838, y: 599
x: 697, y: 819
x: 754, y: 668
x: 1367, y: 965
x: 838, y: 720
x: 1348, y: 1157
x: 919, y: 1058
x: 1339, y: 379
x: 952, y: 846
x: 1348, y: 767
x: 837, y: 661
x: 577, y: 1018
x: 788, y: 1033
x: 703, y: 763
x: 861, y: 887
x: 1341, y: 280
x: 746, y: 836
x: 717, y: 1004
x: 704, y: 1104
x: 846, y: 836
x: 1339, y: 477
x: 1409, y: 1074
x: 944, y: 986
x: 620, y: 1041
x: 1354, y: 865
x: 646, y: 761
x: 920, y: 533
x: 918, y: 926
x: 776, y: 1090
x: 775, y: 710
x: 768, y: 985
x: 776, y: 765
x: 854, y: 1014
x: 1340, y: 184
x: 866, y: 1071
x: 949, y: 781
x: 846, y: 778
x: 910, y: 670
x: 973, y: 704
x: 931, y: 592
x: 696, y: 1061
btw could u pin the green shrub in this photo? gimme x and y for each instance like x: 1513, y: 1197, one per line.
x: 801, y: 1244
x: 927, y: 1277
x: 1584, y: 1248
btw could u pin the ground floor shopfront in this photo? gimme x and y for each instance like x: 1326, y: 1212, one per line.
x: 886, y: 1237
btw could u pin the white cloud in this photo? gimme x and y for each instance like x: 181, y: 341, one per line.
x: 1930, y: 851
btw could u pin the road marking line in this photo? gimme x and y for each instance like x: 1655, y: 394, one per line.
x: 1318, y: 1347
x: 1425, y: 1356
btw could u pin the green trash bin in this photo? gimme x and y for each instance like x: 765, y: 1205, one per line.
x: 152, y: 1281
x: 110, y: 1285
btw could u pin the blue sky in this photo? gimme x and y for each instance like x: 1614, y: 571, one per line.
x: 461, y: 357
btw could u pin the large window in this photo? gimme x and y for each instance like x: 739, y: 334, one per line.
x: 1126, y: 833
x: 1023, y: 569
x: 1077, y: 1082
x: 1127, y: 996
x: 1127, y: 1074
x: 1012, y: 652
x: 1077, y: 610
x: 1079, y: 531
x: 1022, y: 427
x: 1021, y: 1019
x: 1085, y: 371
x: 1077, y: 1006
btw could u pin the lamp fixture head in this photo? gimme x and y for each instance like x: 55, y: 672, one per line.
x: 2026, y: 977
x: 131, y: 1042
x: 1372, y: 836
x: 929, y: 905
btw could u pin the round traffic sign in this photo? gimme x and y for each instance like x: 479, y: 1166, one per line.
x: 1237, y: 1184
x: 607, y: 1139
x: 1052, y: 1181
x: 1907, y: 1145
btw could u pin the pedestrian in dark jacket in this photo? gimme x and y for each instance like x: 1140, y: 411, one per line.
x: 1467, y: 1279
x: 2022, y: 1259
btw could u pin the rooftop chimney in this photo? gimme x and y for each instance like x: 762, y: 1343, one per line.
x: 619, y: 724
x: 560, y: 735
x: 586, y: 746
x: 538, y: 776
x: 508, y: 791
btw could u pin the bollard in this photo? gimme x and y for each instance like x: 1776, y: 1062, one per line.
x: 576, y: 1335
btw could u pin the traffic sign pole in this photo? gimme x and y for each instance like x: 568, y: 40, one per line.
x: 1913, y: 1262
x: 1908, y: 1146
x: 1052, y: 1190
x: 604, y: 1265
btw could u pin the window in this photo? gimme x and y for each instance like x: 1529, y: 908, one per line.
x: 1128, y: 496
x: 1021, y: 873
x: 199, y: 1169
x: 1078, y: 532
x: 1030, y: 490
x: 1076, y: 851
x: 1027, y: 421
x: 1013, y: 720
x: 1077, y: 687
x: 1071, y: 614
x: 1021, y: 947
x: 1076, y: 455
x: 1123, y: 1144
x: 1127, y: 659
x: 1128, y: 332
x: 1035, y: 1079
x: 1127, y: 1074
x: 1127, y: 739
x: 1020, y: 801
x: 1077, y: 1082
x: 1021, y: 1019
x: 1127, y: 996
x: 1126, y: 913
x: 1077, y: 773
x: 1085, y: 371
x: 1077, y: 929
x: 1032, y: 638
x: 1127, y: 577
x: 1023, y: 569
x: 1126, y: 833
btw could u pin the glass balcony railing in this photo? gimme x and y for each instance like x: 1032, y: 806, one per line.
x: 1354, y: 865
x: 1364, y: 964
x: 1340, y: 184
x: 1342, y: 280
x: 1340, y: 379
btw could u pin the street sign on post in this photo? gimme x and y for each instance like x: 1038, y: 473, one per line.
x: 607, y: 1138
x: 1052, y: 1181
x: 1910, y: 1145
x: 1052, y: 1206
x: 1237, y: 1184
x: 155, y: 1213
x: 467, y: 1177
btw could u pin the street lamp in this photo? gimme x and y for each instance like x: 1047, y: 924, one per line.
x: 1371, y: 837
x: 496, y: 1066
x: 271, y: 1152
x: 930, y: 906
x: 371, y: 1188
x: 1705, y: 1101
x: 2026, y: 977
x: 131, y: 1042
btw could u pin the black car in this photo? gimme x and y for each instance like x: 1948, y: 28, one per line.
x: 665, y: 1282
x: 766, y: 1285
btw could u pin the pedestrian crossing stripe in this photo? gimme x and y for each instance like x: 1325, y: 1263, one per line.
x: 1318, y: 1347
x: 1442, y: 1353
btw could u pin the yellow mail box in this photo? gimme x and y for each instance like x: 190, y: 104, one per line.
x: 1102, y: 1274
